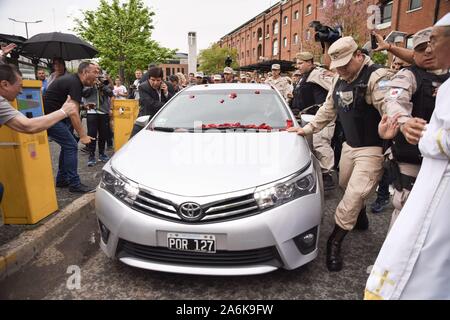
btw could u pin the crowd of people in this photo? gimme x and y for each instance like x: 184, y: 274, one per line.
x: 373, y: 127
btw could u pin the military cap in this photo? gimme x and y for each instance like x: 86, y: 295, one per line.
x: 276, y: 66
x: 444, y: 22
x: 422, y: 36
x: 228, y: 70
x: 341, y: 52
x: 305, y: 56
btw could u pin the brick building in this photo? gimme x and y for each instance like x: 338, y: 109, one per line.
x: 282, y: 30
x: 178, y: 64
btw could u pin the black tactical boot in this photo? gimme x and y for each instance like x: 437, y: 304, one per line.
x: 362, y: 223
x: 334, y: 258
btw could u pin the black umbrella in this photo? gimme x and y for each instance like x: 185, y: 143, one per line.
x: 58, y: 45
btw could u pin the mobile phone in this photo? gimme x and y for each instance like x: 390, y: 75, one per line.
x: 373, y: 41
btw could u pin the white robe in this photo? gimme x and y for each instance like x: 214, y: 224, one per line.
x: 414, y: 262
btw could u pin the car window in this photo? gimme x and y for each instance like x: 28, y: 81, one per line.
x: 217, y: 107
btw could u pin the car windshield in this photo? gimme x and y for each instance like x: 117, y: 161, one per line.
x: 216, y: 109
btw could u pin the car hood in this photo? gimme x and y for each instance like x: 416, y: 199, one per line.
x: 203, y: 164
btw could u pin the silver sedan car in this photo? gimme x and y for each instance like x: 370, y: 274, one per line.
x: 213, y: 185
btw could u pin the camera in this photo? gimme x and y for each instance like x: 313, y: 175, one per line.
x: 103, y: 81
x: 325, y: 34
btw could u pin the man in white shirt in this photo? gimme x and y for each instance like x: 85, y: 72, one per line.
x: 135, y: 85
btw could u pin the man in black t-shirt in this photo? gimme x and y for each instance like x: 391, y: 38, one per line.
x: 61, y: 133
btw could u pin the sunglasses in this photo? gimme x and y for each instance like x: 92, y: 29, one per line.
x: 421, y: 48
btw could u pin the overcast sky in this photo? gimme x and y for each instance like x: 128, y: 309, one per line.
x: 211, y: 19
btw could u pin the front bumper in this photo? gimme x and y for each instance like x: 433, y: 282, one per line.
x: 252, y: 245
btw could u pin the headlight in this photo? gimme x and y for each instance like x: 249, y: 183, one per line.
x: 119, y: 186
x: 284, y: 191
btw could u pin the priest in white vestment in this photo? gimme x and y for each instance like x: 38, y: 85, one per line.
x: 414, y: 262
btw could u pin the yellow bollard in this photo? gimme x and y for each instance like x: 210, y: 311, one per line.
x: 125, y: 113
x: 26, y: 167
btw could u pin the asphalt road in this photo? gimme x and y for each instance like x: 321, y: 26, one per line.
x: 51, y: 274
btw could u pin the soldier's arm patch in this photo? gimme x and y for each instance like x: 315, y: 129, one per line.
x: 383, y: 84
x: 394, y: 93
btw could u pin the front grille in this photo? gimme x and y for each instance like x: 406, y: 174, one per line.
x: 156, y: 206
x: 233, y: 208
x: 267, y: 256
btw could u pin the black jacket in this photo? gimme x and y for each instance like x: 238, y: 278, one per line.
x: 149, y: 100
x: 145, y: 78
x: 307, y: 94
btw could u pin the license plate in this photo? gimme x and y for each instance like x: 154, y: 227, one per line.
x: 191, y: 242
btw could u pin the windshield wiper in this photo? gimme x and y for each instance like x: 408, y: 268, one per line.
x: 164, y: 129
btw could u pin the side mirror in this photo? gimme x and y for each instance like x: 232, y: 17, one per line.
x: 306, y: 118
x: 142, y: 121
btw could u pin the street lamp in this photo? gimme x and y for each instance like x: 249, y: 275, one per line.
x: 26, y: 23
x: 228, y: 61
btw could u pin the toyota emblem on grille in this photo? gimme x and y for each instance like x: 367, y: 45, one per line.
x: 191, y: 211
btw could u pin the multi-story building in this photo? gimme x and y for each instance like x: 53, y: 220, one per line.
x: 178, y: 64
x: 284, y: 29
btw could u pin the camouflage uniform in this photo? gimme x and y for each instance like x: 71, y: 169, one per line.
x: 282, y: 85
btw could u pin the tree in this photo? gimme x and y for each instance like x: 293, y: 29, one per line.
x: 122, y: 35
x: 212, y: 60
x: 380, y: 58
x: 350, y: 15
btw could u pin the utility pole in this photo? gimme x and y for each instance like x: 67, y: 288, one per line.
x: 26, y: 23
